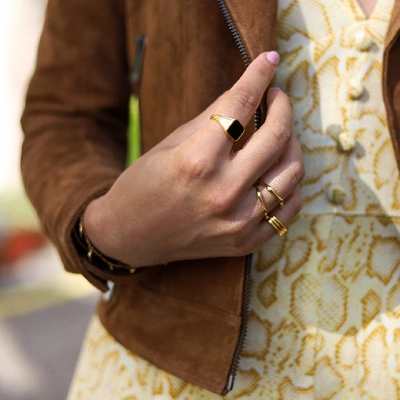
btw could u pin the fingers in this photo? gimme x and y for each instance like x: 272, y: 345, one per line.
x: 255, y: 232
x: 242, y: 101
x: 270, y: 142
x: 284, y: 179
x: 285, y: 176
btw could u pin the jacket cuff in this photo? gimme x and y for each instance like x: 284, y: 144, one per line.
x: 74, y: 256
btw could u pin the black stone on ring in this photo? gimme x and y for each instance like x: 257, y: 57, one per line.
x: 232, y: 127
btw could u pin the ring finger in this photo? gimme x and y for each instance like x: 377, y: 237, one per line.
x: 281, y: 180
x: 265, y: 230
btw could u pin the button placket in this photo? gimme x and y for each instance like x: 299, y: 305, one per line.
x: 336, y: 194
x: 355, y: 88
x: 363, y: 41
x: 346, y: 143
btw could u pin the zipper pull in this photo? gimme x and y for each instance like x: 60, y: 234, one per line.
x: 136, y: 71
x: 231, y: 380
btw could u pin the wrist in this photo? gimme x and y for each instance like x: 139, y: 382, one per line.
x: 97, y: 230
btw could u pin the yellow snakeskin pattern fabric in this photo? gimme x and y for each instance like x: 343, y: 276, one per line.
x: 325, y: 305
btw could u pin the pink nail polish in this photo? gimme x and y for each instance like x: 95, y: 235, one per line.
x: 273, y: 57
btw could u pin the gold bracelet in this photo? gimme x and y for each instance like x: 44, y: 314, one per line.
x: 91, y: 250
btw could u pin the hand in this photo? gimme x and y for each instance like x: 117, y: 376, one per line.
x: 192, y: 196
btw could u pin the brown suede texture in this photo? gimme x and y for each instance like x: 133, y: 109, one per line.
x: 185, y: 317
x: 391, y: 79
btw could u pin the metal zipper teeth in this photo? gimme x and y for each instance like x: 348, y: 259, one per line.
x: 236, y: 37
x: 249, y: 259
x: 243, y: 329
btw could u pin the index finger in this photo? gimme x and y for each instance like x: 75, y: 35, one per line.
x: 242, y: 100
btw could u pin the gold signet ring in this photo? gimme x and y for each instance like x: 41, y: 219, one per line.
x: 232, y: 127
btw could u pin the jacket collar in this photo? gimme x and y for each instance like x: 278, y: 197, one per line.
x: 394, y: 25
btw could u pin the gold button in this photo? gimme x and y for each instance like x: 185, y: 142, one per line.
x: 336, y: 194
x: 355, y: 89
x: 363, y: 41
x: 345, y: 142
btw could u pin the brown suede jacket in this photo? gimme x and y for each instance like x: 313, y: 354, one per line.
x: 188, y: 318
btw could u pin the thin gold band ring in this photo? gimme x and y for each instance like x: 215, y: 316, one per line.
x: 272, y: 191
x: 272, y: 220
x: 260, y: 197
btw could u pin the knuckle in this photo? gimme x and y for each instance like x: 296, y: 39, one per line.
x: 281, y: 131
x: 298, y: 172
x: 196, y: 166
x: 246, y: 99
x: 221, y: 201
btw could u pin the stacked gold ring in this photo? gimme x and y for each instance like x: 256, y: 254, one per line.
x: 272, y: 191
x: 279, y: 227
x: 276, y: 224
x: 260, y: 197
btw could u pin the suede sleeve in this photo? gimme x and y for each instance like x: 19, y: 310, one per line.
x: 75, y: 118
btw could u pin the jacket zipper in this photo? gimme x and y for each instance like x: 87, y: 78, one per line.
x: 243, y: 328
x: 242, y: 49
x: 249, y: 258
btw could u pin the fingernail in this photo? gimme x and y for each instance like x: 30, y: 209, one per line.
x: 273, y: 57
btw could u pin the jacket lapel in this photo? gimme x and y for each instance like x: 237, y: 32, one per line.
x: 391, y: 78
x: 394, y: 25
x: 250, y: 19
